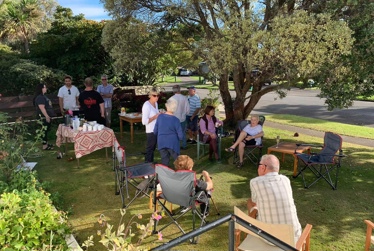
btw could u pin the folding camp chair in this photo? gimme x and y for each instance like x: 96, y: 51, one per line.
x: 178, y: 187
x: 249, y: 151
x: 324, y: 163
x: 140, y: 176
x: 201, y: 145
x: 280, y: 232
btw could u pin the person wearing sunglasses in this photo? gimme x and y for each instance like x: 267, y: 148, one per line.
x: 271, y: 195
x: 149, y: 116
x: 68, y: 95
x: 106, y: 91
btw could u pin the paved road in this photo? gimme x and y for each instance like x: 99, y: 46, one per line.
x: 306, y: 103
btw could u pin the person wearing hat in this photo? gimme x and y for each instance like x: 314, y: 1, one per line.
x: 181, y: 112
x: 193, y: 115
x: 184, y: 162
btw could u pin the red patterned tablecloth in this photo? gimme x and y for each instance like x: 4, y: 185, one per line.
x: 85, y: 142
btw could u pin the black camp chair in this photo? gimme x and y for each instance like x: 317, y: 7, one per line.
x: 253, y: 152
x: 324, y: 165
x: 178, y: 187
x: 139, y: 176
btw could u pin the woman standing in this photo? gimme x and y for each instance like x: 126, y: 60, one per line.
x: 149, y: 116
x: 45, y: 111
x: 208, y: 124
x: 169, y: 132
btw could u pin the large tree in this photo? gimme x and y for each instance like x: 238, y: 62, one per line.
x: 284, y: 40
x: 22, y: 20
x: 72, y: 44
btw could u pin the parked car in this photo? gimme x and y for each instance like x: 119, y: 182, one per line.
x: 185, y: 72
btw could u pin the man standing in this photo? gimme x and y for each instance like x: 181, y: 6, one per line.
x: 192, y: 116
x: 106, y: 91
x: 271, y: 193
x: 183, y: 109
x: 67, y: 95
x: 92, y: 104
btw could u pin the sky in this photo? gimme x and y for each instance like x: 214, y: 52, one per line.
x: 92, y: 9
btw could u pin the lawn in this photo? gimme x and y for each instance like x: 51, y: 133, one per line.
x: 337, y: 216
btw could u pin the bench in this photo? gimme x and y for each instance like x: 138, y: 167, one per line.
x: 22, y: 107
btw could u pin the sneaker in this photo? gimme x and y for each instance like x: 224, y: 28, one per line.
x: 189, y: 140
x: 193, y: 142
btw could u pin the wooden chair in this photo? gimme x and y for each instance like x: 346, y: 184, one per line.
x: 283, y: 232
x: 369, y: 237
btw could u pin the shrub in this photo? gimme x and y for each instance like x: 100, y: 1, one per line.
x: 28, y: 221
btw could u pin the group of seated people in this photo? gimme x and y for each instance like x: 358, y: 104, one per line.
x: 271, y: 192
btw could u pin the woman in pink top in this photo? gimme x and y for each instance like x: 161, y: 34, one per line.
x: 208, y: 124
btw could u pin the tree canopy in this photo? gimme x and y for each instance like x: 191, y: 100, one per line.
x: 22, y: 20
x: 73, y: 45
x: 283, y: 40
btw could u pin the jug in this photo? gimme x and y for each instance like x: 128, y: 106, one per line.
x: 75, y: 124
x: 67, y: 120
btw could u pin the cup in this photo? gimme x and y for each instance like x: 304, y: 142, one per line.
x: 218, y: 124
x: 89, y: 128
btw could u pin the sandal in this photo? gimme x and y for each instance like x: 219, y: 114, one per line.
x: 49, y: 147
x: 239, y: 165
x: 229, y: 149
x: 70, y: 159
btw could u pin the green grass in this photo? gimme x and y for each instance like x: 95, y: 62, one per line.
x: 337, y: 216
x: 323, y: 125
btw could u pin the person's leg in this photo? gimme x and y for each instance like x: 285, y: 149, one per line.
x: 241, y: 151
x: 151, y: 146
x: 173, y: 154
x: 47, y: 128
x: 240, y: 138
x: 188, y: 125
x: 194, y: 129
x: 108, y: 116
x: 165, y: 156
x: 184, y: 139
x: 213, y: 148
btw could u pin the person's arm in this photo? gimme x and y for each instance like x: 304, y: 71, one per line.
x: 61, y: 104
x: 102, y: 110
x: 179, y: 130
x: 195, y: 113
x: 258, y: 135
x: 207, y: 180
x: 44, y: 112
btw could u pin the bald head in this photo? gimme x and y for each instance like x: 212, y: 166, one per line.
x: 271, y: 162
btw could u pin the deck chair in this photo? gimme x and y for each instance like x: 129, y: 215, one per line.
x: 252, y: 153
x: 139, y: 176
x: 178, y: 188
x: 369, y: 236
x: 324, y: 165
x: 201, y: 145
x: 282, y: 232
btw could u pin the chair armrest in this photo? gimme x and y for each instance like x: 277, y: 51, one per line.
x: 303, y: 243
x: 369, y: 232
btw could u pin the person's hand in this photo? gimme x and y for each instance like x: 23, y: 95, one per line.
x: 205, y: 173
x: 48, y: 119
x: 213, y: 136
x: 191, y: 118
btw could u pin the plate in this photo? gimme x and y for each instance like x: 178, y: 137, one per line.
x: 122, y: 114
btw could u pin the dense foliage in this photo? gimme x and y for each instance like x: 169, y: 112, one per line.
x: 73, y: 45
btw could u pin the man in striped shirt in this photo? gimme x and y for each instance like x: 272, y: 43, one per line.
x: 193, y: 115
x: 271, y: 194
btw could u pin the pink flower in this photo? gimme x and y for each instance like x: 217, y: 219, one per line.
x: 159, y: 234
x: 156, y: 216
x: 70, y: 112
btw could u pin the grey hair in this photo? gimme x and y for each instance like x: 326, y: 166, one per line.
x: 271, y: 162
x: 104, y: 76
x: 171, y: 105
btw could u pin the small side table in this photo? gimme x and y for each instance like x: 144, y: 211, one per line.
x: 130, y: 119
x: 289, y: 148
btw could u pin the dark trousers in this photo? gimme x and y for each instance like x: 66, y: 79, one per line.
x: 47, y: 128
x: 151, y: 146
x: 165, y: 155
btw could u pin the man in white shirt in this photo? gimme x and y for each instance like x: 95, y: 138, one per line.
x: 183, y: 109
x: 68, y: 95
x: 106, y: 91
